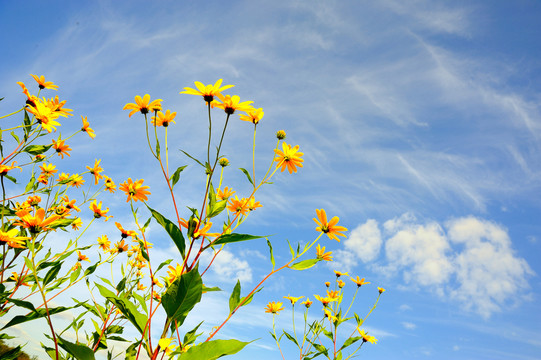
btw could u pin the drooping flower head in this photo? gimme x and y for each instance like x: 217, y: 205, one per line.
x: 125, y: 233
x: 86, y: 128
x: 98, y: 212
x: 360, y: 282
x: 330, y: 228
x: 366, y: 337
x: 135, y: 190
x: 61, y: 148
x: 253, y: 115
x: 4, y: 169
x: 289, y: 158
x: 96, y: 170
x: 208, y: 92
x: 322, y: 255
x: 143, y: 105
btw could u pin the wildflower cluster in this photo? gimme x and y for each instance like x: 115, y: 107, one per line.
x: 317, y: 334
x: 32, y: 273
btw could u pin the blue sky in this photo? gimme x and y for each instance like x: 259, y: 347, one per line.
x: 420, y: 124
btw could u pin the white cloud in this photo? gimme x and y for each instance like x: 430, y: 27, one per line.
x: 487, y: 271
x: 228, y: 268
x: 409, y: 326
x: 468, y: 260
x: 365, y: 241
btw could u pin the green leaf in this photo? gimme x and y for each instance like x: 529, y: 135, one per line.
x: 127, y: 308
x: 304, y: 264
x: 12, y: 354
x: 176, y: 175
x: 36, y: 149
x: 194, y: 159
x: 250, y: 297
x: 21, y: 303
x: 28, y: 263
x: 61, y: 223
x: 291, y: 338
x: 234, y: 299
x: 210, y: 289
x: 271, y: 254
x: 38, y: 313
x: 91, y: 269
x: 350, y: 341
x: 231, y: 238
x: 78, y: 351
x: 191, y: 336
x: 182, y: 295
x: 75, y: 275
x: 121, y: 285
x: 214, y: 349
x: 131, y: 351
x: 15, y: 136
x: 172, y: 229
x: 166, y: 262
x: 247, y: 175
x: 51, y: 274
x: 6, y: 211
x: 30, y: 184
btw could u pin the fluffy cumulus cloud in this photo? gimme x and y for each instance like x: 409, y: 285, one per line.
x: 227, y: 267
x: 468, y: 260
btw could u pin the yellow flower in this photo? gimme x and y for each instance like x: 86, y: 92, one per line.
x: 366, y: 337
x: 45, y: 116
x: 76, y: 224
x: 341, y: 284
x: 135, y: 190
x: 164, y: 119
x: 274, y: 307
x: 289, y: 157
x: 329, y: 315
x: 330, y: 227
x: 325, y: 300
x: 293, y: 299
x: 208, y: 92
x: 48, y: 169
x: 338, y: 273
x: 143, y: 105
x: 173, y: 273
x: 104, y: 243
x: 230, y: 104
x: 253, y: 115
x: 12, y: 240
x: 76, y: 180
x: 225, y: 194
x: 109, y: 184
x: 35, y: 224
x: 237, y: 206
x: 125, y: 233
x: 204, y: 231
x: 165, y: 344
x: 140, y: 286
x: 381, y: 290
x: 331, y: 294
x: 4, y: 169
x: 359, y: 282
x: 58, y: 107
x: 61, y: 148
x: 44, y: 84
x: 156, y: 282
x: 95, y: 170
x: 86, y: 128
x: 307, y: 303
x: 119, y: 248
x: 327, y: 283
x: 252, y: 204
x: 81, y: 257
x: 322, y: 255
x: 98, y: 212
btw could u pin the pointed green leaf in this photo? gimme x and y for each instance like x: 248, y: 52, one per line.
x: 51, y: 274
x: 271, y: 254
x: 214, y: 349
x: 231, y: 238
x: 36, y: 149
x: 78, y: 351
x: 247, y: 175
x: 172, y: 229
x: 182, y: 295
x: 304, y: 264
x: 234, y: 299
x: 291, y: 338
x: 38, y: 313
x: 176, y: 175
